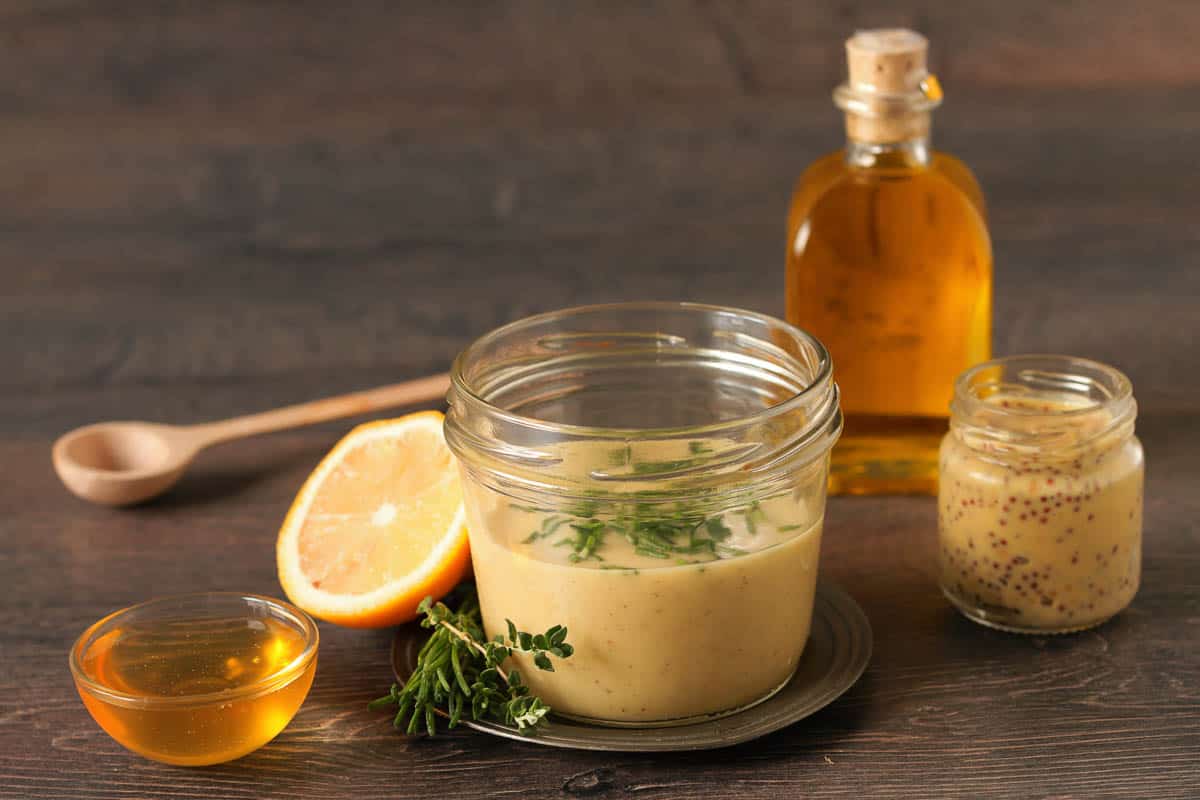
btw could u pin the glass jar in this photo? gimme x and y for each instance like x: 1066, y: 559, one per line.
x: 1040, y: 495
x: 652, y: 476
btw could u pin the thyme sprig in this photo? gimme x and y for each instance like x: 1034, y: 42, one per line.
x: 653, y: 531
x: 459, y: 671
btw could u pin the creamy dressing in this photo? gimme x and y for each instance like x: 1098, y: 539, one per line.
x: 1050, y: 542
x: 707, y: 628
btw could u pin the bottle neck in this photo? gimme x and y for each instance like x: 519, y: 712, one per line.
x: 893, y: 127
x: 913, y: 152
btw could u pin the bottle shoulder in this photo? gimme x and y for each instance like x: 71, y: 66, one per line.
x: 831, y: 174
x: 961, y: 176
x: 813, y: 183
x: 821, y: 173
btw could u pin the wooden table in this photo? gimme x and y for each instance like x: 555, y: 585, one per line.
x: 220, y: 207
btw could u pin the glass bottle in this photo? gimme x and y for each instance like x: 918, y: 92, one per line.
x: 890, y: 265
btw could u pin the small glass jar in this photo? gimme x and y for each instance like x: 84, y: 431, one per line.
x: 652, y: 476
x: 1040, y: 495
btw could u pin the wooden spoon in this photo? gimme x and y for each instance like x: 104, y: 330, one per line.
x: 121, y: 463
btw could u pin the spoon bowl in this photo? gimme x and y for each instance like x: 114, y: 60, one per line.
x: 121, y: 463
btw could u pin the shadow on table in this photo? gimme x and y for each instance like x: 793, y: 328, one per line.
x: 231, y: 473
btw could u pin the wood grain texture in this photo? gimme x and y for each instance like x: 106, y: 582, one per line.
x: 217, y: 208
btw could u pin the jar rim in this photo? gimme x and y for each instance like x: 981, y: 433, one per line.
x: 821, y: 381
x: 1120, y: 388
x: 998, y: 426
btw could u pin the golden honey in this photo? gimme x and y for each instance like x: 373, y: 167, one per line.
x: 196, y: 686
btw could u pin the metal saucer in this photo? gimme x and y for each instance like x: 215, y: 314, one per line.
x: 839, y: 647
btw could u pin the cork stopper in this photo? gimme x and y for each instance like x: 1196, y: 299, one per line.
x: 887, y: 61
x: 889, y: 92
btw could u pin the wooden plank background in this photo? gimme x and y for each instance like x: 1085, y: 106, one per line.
x: 214, y: 208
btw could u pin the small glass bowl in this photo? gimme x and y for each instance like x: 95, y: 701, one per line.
x: 196, y: 679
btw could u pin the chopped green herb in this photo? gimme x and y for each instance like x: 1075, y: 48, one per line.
x: 651, y: 529
x: 529, y: 509
x: 549, y: 526
x: 619, y: 458
x: 718, y: 531
x: 648, y: 467
x: 754, y: 515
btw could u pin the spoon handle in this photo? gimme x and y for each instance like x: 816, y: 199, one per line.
x: 421, y: 390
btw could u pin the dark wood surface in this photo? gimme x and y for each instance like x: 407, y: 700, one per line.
x: 216, y: 208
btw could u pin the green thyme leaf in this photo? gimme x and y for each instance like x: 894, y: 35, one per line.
x: 457, y: 670
x: 717, y: 530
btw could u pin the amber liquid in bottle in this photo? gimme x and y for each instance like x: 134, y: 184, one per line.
x: 889, y: 264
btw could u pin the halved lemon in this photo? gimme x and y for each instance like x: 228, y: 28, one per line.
x: 377, y: 526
